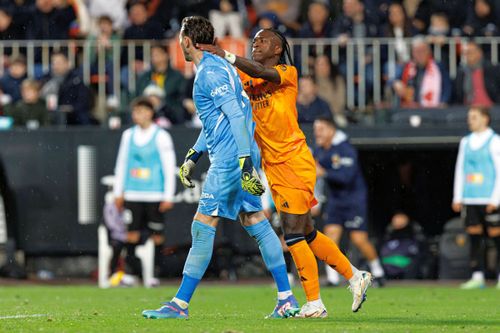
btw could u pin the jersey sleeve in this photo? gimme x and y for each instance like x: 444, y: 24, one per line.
x: 288, y: 75
x: 218, y: 84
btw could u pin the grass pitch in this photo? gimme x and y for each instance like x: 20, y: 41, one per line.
x: 241, y: 308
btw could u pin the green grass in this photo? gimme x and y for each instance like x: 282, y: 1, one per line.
x: 241, y: 308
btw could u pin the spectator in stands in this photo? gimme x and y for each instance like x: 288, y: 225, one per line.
x: 49, y: 19
x: 9, y: 29
x: 287, y: 10
x: 477, y: 81
x: 114, y: 9
x: 10, y: 83
x: 398, y: 27
x: 165, y: 116
x: 105, y: 38
x: 354, y: 22
x: 72, y: 95
x: 337, y: 161
x: 164, y: 76
x: 476, y: 192
x: 331, y: 87
x: 455, y: 10
x: 309, y: 105
x: 438, y: 34
x: 268, y: 20
x: 481, y: 19
x: 141, y: 27
x: 439, y: 29
x: 424, y: 82
x: 227, y: 19
x: 317, y: 25
x: 30, y: 111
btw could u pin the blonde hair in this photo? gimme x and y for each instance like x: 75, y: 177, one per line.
x: 30, y: 83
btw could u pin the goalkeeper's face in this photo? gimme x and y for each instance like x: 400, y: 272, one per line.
x: 185, y: 43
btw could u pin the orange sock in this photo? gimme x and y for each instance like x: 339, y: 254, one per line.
x: 307, y: 267
x: 326, y: 250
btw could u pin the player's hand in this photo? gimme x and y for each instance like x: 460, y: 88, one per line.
x: 250, y: 180
x: 320, y: 171
x: 187, y: 167
x: 119, y: 203
x: 491, y: 208
x: 214, y: 49
x: 457, y: 207
x: 165, y: 205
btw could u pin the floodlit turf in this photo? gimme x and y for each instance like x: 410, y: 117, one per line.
x: 235, y: 308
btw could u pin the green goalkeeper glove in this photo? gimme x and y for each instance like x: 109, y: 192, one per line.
x: 187, y: 167
x: 250, y: 181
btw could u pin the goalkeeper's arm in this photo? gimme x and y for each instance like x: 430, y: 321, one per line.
x: 250, y: 180
x: 192, y: 156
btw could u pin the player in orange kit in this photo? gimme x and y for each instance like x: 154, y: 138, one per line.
x: 290, y: 168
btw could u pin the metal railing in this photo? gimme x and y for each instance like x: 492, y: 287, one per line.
x: 349, y: 55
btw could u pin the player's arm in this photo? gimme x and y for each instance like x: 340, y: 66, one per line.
x: 250, y: 180
x: 495, y: 154
x: 458, y: 183
x: 192, y: 157
x: 248, y: 66
x: 120, y: 168
x: 168, y: 163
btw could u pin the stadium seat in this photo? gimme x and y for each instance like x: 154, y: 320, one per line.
x: 145, y: 253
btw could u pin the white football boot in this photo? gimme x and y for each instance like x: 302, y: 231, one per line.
x: 314, y: 309
x: 358, y: 288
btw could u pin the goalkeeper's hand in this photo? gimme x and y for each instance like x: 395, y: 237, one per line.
x: 187, y: 167
x: 250, y: 181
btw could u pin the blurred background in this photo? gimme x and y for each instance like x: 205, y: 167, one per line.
x: 70, y: 68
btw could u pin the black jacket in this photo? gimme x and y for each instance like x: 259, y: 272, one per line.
x: 74, y: 99
x: 491, y: 82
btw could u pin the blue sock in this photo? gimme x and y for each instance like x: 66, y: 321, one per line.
x: 272, y: 253
x: 198, y: 259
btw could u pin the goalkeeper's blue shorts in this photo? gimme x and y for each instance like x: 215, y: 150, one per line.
x: 222, y: 194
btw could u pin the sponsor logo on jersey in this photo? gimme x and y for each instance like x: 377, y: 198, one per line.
x: 475, y: 178
x: 219, y: 91
x: 141, y: 173
x: 207, y: 196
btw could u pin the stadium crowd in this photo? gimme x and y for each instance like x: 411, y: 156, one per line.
x: 419, y: 80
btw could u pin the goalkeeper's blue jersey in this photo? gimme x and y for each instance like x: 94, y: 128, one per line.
x: 216, y: 83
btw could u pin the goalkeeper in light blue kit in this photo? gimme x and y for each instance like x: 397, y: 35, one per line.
x: 232, y: 187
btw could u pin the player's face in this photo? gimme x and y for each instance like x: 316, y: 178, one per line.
x: 476, y: 121
x: 323, y: 133
x: 185, y: 42
x: 264, y: 46
x: 142, y: 116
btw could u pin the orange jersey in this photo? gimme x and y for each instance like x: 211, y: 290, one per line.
x: 274, y: 111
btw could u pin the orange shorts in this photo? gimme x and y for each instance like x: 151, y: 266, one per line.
x: 292, y: 183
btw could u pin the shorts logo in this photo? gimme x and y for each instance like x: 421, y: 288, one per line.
x: 207, y: 196
x: 355, y: 223
x: 220, y: 91
x: 285, y: 205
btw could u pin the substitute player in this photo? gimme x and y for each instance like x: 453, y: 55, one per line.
x: 232, y: 186
x: 289, y: 165
x: 477, y: 191
x: 337, y: 162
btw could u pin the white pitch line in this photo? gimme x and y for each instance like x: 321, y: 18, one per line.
x: 23, y: 316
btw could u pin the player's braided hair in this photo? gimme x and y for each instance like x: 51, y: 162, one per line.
x: 285, y: 56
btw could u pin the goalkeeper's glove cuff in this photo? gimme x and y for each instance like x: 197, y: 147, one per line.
x: 193, y: 155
